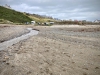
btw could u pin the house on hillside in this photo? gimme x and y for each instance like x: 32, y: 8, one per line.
x: 97, y: 21
x: 7, y: 6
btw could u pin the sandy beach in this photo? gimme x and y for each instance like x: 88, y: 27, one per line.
x: 8, y: 32
x: 56, y: 50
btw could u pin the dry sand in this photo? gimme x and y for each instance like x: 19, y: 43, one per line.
x: 54, y: 51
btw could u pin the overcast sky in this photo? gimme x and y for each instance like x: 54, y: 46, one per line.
x: 62, y: 9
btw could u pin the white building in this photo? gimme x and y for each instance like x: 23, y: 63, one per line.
x: 97, y: 21
x: 51, y: 22
x: 7, y: 6
x: 32, y: 22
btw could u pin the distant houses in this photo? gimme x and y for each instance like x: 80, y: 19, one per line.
x: 7, y: 6
x: 97, y: 21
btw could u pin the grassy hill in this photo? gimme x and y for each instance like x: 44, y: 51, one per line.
x: 39, y: 18
x: 13, y: 16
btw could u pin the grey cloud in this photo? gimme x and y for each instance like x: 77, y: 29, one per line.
x: 63, y: 9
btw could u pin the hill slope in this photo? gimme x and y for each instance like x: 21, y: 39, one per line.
x: 13, y: 16
x: 40, y: 18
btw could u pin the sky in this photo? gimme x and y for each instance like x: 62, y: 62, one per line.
x: 62, y: 9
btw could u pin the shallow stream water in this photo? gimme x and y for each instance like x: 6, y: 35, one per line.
x: 8, y: 43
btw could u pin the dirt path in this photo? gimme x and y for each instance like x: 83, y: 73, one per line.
x: 54, y: 51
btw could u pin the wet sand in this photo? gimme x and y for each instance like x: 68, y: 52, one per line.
x: 54, y: 51
x: 8, y: 32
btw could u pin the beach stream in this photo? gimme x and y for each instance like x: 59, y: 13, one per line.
x: 8, y: 43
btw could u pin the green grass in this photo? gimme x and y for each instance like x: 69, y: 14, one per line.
x: 39, y: 18
x: 13, y: 16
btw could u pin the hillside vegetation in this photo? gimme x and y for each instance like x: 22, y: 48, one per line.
x: 13, y: 16
x: 39, y: 18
